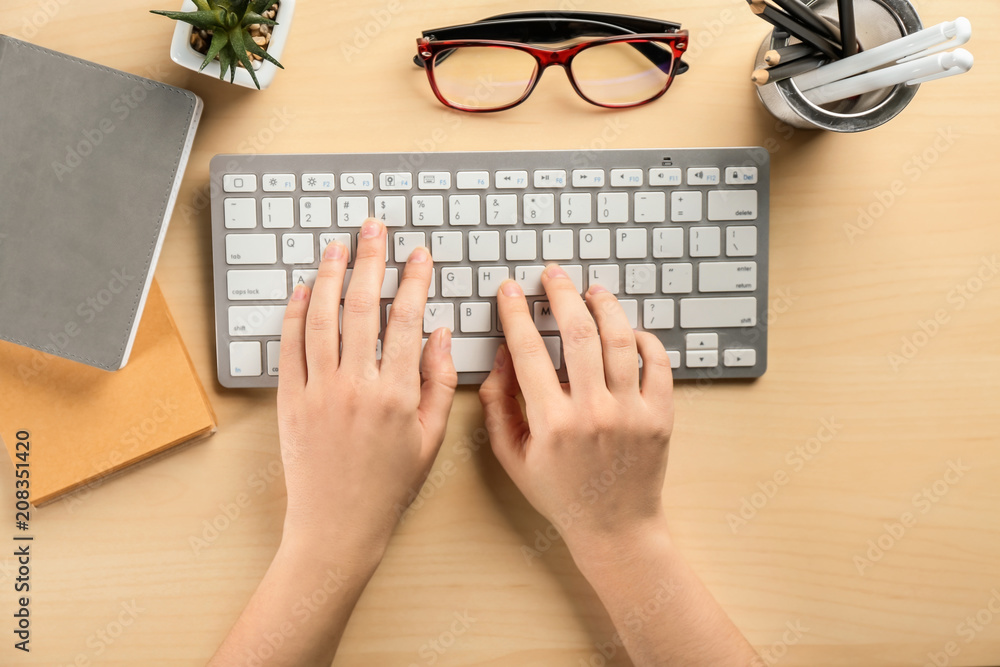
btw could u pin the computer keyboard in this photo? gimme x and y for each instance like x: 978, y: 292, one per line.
x: 679, y: 235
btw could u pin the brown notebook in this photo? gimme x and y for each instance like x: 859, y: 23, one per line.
x: 86, y: 423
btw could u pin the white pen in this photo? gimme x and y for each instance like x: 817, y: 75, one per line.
x: 922, y: 43
x: 922, y: 70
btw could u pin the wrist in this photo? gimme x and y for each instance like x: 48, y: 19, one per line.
x: 319, y: 550
x: 599, y: 554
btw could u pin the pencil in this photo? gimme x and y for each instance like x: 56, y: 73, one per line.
x: 786, y: 71
x: 848, y: 30
x: 786, y: 53
x: 784, y: 22
x: 807, y: 17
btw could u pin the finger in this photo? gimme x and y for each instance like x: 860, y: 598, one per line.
x: 362, y: 305
x: 323, y: 320
x: 292, y: 374
x: 438, y: 389
x: 621, y: 358
x: 404, y: 331
x: 581, y: 343
x: 532, y: 363
x: 657, y: 376
x: 505, y: 421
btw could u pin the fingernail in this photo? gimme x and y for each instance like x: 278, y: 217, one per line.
x: 511, y: 288
x: 300, y: 293
x: 418, y: 255
x: 445, y: 340
x: 501, y: 357
x: 334, y: 251
x: 596, y: 289
x: 371, y: 228
x: 555, y: 271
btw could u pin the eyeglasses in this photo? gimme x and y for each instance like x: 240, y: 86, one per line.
x: 616, y: 61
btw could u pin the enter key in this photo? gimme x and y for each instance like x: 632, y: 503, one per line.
x: 727, y: 276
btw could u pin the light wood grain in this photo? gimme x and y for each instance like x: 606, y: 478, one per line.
x: 845, y: 305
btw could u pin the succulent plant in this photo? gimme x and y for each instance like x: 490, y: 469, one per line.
x: 229, y: 22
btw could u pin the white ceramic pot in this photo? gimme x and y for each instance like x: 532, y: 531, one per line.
x: 182, y: 53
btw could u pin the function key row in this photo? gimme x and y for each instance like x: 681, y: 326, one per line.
x: 484, y: 180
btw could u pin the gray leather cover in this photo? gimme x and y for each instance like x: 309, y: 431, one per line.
x: 90, y: 159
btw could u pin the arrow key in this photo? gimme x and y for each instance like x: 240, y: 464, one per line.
x: 702, y: 358
x: 737, y: 358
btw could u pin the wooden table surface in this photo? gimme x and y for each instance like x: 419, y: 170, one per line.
x: 881, y: 402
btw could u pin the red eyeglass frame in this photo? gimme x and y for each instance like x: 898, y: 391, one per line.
x: 428, y: 49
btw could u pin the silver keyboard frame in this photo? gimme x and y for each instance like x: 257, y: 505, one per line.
x: 744, y: 337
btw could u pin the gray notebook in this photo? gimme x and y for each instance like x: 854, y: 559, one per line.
x: 91, y: 159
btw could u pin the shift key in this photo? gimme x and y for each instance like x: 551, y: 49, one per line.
x: 718, y: 313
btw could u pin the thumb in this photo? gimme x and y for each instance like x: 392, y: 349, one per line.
x: 438, y: 388
x: 504, y: 418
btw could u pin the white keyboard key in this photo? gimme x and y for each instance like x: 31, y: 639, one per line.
x: 396, y: 180
x: 595, y: 244
x: 490, y: 278
x: 539, y: 209
x: 391, y: 210
x: 250, y: 249
x: 675, y: 358
x: 297, y: 249
x: 278, y: 212
x: 501, y: 210
x: 404, y: 243
x: 484, y: 246
x: 530, y: 279
x: 658, y: 314
x: 741, y: 241
x: 718, y: 313
x: 390, y: 283
x: 626, y: 178
x: 702, y: 341
x: 244, y: 358
x: 575, y: 273
x: 685, y: 206
x: 550, y: 178
x: 476, y: 355
x: 427, y: 211
x: 702, y: 358
x: 437, y: 315
x: 631, y: 308
x: 741, y: 176
x: 650, y: 207
x: 351, y: 211
x: 727, y: 276
x: 557, y: 244
x: 668, y: 243
x: 273, y: 356
x: 279, y: 182
x: 434, y: 180
x: 240, y: 213
x: 732, y: 205
x: 544, y: 319
x: 315, y: 212
x: 326, y: 239
x: 521, y: 245
x: 476, y: 317
x: 605, y: 275
x: 640, y: 278
x: 739, y: 358
x: 574, y: 208
x: 669, y: 176
x: 705, y: 242
x: 703, y: 176
x: 588, y: 178
x: 447, y: 246
x: 318, y: 182
x: 472, y: 180
x: 255, y: 320
x: 511, y: 180
x: 257, y: 285
x: 677, y: 279
x: 456, y: 281
x: 463, y: 210
x: 630, y: 243
x: 239, y: 183
x: 305, y: 277
x: 612, y: 207
x: 357, y: 181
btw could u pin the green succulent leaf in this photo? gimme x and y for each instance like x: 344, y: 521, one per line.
x: 260, y: 6
x: 219, y: 41
x: 252, y: 17
x: 203, y: 5
x: 236, y: 40
x: 226, y: 62
x: 202, y: 19
x: 254, y: 48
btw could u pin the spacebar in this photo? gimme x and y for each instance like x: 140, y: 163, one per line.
x: 476, y: 355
